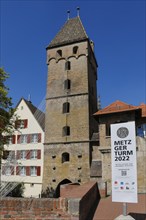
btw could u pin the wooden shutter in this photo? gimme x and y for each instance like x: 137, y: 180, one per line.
x: 18, y: 139
x: 12, y: 170
x: 13, y: 139
x: 27, y: 171
x: 38, y: 154
x: 38, y: 171
x: 39, y: 137
x: 28, y: 154
x: 25, y: 123
x: 17, y: 170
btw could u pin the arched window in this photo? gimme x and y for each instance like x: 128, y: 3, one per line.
x: 59, y: 53
x: 75, y: 50
x: 66, y: 107
x: 66, y: 131
x: 67, y: 84
x: 68, y: 65
x: 65, y: 157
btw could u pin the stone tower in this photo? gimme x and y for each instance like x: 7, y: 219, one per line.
x: 71, y: 100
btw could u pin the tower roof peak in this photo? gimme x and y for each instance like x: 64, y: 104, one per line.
x: 71, y: 32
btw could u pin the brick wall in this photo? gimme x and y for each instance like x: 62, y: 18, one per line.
x: 33, y: 209
x: 79, y: 203
x: 82, y: 199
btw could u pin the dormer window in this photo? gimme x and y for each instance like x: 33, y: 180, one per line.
x: 75, y: 50
x: 59, y: 53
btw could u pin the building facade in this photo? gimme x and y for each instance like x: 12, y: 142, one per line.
x: 71, y: 100
x: 25, y: 151
x: 120, y: 112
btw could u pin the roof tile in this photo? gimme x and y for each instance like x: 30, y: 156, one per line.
x: 117, y: 106
x: 72, y: 31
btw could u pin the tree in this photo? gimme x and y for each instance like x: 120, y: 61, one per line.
x: 6, y: 111
x: 18, y: 191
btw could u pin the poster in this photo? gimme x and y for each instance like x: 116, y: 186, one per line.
x: 124, y: 165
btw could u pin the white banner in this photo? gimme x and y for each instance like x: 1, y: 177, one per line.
x: 124, y: 166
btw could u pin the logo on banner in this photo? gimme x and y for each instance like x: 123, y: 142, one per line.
x: 122, y: 132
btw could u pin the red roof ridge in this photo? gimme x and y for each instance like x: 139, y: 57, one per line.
x: 117, y: 106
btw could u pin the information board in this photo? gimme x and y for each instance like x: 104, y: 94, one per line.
x: 124, y: 165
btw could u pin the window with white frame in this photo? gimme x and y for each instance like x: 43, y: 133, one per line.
x: 8, y: 171
x: 23, y: 139
x: 34, y: 138
x: 22, y: 171
x: 20, y: 124
x: 33, y: 171
x: 23, y: 154
x: 33, y: 154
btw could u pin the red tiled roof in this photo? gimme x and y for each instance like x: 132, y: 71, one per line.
x: 117, y: 106
x: 143, y: 107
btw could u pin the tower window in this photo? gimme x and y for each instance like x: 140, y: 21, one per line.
x: 75, y: 50
x: 68, y: 65
x: 66, y: 107
x: 66, y: 131
x: 67, y: 84
x: 59, y: 53
x: 65, y: 157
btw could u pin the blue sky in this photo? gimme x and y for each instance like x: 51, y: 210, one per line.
x: 117, y: 28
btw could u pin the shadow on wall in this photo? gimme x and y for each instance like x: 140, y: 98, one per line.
x: 57, y: 191
x: 54, y: 193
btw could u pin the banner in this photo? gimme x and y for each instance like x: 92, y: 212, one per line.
x: 124, y: 166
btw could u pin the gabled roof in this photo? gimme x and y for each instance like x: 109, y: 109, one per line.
x: 117, y: 106
x: 72, y: 31
x: 143, y: 107
x: 38, y: 114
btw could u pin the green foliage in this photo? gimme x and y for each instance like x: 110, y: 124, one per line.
x: 48, y: 193
x: 18, y: 191
x: 6, y: 110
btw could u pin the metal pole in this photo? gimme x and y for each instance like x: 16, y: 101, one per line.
x: 125, y: 209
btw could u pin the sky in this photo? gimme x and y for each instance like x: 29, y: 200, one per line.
x: 118, y: 29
